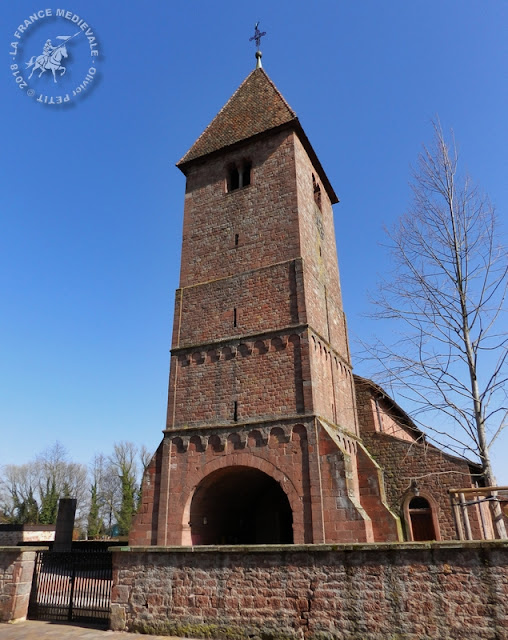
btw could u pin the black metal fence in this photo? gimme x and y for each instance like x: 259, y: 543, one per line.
x: 74, y: 587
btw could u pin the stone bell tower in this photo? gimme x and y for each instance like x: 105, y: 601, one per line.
x: 261, y: 443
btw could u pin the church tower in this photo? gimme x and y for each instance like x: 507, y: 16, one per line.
x: 261, y: 443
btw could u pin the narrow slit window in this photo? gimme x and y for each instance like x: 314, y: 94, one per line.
x: 235, y: 411
x: 237, y: 237
x: 317, y: 192
x: 234, y: 317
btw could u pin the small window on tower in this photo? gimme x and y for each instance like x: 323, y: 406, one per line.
x: 233, y: 179
x: 239, y: 176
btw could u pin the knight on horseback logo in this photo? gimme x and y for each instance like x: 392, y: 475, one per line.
x: 51, y: 57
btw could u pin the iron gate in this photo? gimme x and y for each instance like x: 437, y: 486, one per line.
x: 73, y: 586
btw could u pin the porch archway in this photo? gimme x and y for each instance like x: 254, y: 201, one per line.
x: 240, y: 505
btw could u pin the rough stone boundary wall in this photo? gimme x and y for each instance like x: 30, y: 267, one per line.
x: 13, y: 534
x: 16, y: 571
x: 411, y: 591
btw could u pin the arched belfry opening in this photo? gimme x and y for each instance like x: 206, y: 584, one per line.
x: 240, y: 505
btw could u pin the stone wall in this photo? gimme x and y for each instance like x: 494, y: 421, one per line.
x: 14, y: 534
x: 320, y: 592
x: 16, y: 571
x: 436, y: 473
x: 401, y: 450
x: 263, y: 215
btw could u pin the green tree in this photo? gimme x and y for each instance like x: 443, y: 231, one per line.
x: 124, y: 461
x: 26, y: 510
x: 128, y: 505
x: 49, y: 502
x: 19, y: 503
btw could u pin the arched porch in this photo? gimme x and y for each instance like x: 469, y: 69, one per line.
x: 240, y: 505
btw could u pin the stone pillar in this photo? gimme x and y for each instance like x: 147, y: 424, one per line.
x: 16, y: 571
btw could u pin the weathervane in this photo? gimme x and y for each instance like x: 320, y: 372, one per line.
x: 257, y: 37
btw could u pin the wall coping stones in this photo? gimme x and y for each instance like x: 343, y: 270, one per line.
x: 23, y: 549
x: 27, y: 527
x: 320, y: 548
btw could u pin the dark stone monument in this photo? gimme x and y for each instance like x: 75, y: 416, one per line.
x: 64, y: 524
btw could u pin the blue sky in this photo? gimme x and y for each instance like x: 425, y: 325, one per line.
x: 91, y: 202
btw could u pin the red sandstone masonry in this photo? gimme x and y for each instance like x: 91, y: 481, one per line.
x: 16, y: 571
x: 436, y: 472
x: 264, y: 214
x: 265, y: 299
x: 346, y: 592
x: 403, y: 458
x: 242, y: 273
x: 319, y: 253
x: 316, y: 474
x: 262, y: 376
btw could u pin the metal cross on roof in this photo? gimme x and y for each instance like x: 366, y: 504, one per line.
x: 257, y: 35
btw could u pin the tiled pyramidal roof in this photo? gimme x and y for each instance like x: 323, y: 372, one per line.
x: 255, y: 107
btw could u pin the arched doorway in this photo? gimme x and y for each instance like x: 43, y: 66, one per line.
x: 240, y: 505
x: 421, y: 519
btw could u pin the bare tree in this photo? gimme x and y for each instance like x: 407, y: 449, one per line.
x: 145, y: 457
x: 105, y: 496
x: 447, y: 292
x: 18, y: 485
x: 59, y: 477
x: 31, y: 491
